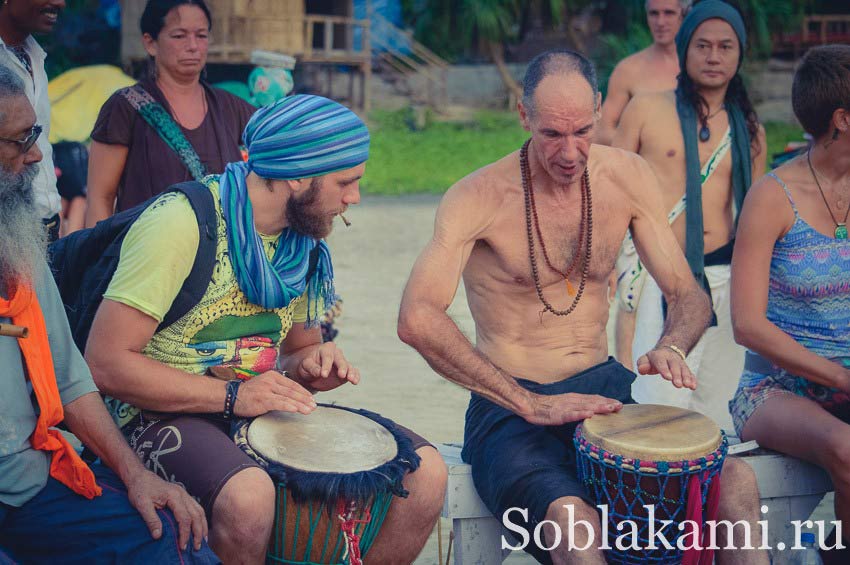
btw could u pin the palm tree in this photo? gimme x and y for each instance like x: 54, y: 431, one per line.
x: 453, y: 25
x: 493, y: 22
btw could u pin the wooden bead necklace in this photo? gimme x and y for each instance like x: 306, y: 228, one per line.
x: 584, y: 239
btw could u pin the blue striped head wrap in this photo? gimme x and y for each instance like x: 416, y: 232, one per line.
x: 298, y: 137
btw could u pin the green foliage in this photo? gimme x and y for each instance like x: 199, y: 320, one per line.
x: 404, y: 161
x: 81, y: 37
x: 764, y: 17
x: 452, y: 27
x: 614, y: 48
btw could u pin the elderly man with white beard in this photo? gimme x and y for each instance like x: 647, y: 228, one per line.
x: 116, y: 511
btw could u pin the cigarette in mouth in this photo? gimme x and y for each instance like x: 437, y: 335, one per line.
x: 345, y: 221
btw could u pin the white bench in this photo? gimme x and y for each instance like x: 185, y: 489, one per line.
x: 790, y: 488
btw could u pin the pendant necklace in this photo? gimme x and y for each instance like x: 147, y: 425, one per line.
x: 532, y: 223
x: 840, y: 227
x: 704, y: 132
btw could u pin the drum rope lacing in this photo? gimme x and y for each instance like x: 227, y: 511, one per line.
x: 349, y: 524
x: 697, y: 503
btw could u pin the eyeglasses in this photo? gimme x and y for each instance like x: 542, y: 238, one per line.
x: 26, y: 143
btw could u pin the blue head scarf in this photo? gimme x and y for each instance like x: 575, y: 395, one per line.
x: 741, y: 160
x: 707, y: 10
x: 298, y: 137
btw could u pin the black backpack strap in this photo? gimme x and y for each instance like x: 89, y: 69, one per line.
x: 196, y: 284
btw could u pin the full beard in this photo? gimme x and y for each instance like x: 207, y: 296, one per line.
x: 23, y: 239
x: 304, y: 215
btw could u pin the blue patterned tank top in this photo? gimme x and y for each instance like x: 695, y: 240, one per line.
x: 809, y: 294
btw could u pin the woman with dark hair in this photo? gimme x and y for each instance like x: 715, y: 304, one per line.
x: 790, y: 285
x: 170, y: 127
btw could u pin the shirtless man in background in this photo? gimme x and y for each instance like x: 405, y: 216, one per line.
x: 535, y: 372
x: 727, y: 148
x: 653, y: 69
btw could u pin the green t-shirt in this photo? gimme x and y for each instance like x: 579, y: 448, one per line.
x: 223, y: 329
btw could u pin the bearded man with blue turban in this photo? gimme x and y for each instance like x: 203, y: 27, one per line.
x: 256, y: 325
x: 705, y: 144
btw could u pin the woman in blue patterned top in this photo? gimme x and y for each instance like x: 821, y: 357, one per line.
x: 791, y: 285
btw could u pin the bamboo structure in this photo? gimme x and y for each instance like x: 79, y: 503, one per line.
x: 324, y: 41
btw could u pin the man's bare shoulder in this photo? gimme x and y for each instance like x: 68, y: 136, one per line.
x: 650, y: 110
x: 634, y: 64
x: 490, y: 180
x: 476, y: 198
x: 614, y: 162
x: 654, y: 101
x: 626, y: 170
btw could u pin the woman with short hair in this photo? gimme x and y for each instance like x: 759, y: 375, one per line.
x: 170, y: 127
x: 791, y: 289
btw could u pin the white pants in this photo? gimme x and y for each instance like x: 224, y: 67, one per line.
x: 716, y: 360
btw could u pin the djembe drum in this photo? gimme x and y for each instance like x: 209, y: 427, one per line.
x: 337, y: 470
x: 662, y: 456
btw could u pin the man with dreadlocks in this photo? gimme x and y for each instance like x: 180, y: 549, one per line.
x: 258, y: 317
x: 535, y: 264
x: 704, y: 143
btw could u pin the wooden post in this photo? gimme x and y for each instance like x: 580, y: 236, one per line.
x: 329, y: 75
x: 329, y: 37
x: 308, y: 36
x: 351, y: 78
x: 366, y: 79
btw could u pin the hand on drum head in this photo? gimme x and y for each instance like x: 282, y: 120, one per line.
x: 667, y: 363
x: 272, y: 391
x: 571, y: 407
x: 326, y: 368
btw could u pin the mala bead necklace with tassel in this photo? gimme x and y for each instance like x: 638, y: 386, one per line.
x: 532, y: 223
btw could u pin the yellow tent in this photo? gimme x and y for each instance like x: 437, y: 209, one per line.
x: 76, y: 97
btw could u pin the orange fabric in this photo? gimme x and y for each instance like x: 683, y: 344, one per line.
x: 66, y: 466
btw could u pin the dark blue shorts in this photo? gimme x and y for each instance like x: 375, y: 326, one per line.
x: 517, y: 464
x: 59, y: 526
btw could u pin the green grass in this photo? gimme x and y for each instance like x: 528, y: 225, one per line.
x: 404, y: 161
x: 778, y: 134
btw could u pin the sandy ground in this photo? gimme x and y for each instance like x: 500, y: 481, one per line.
x: 372, y: 261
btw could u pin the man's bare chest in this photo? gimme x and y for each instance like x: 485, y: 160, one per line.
x: 664, y: 150
x: 557, y: 241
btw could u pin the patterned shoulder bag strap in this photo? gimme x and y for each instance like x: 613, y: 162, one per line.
x: 164, y: 125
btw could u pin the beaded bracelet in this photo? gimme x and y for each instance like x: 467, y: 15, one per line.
x: 230, y: 397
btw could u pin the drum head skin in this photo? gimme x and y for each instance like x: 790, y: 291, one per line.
x: 329, y: 440
x: 651, y: 432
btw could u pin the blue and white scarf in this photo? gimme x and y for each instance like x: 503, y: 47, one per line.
x: 299, y: 137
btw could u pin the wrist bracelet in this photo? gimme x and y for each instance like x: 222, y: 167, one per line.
x: 677, y: 350
x: 230, y: 397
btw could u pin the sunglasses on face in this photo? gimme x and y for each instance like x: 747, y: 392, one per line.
x: 27, y: 142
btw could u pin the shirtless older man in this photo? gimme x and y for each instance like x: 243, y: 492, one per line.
x: 540, y: 364
x: 704, y: 142
x: 653, y: 69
